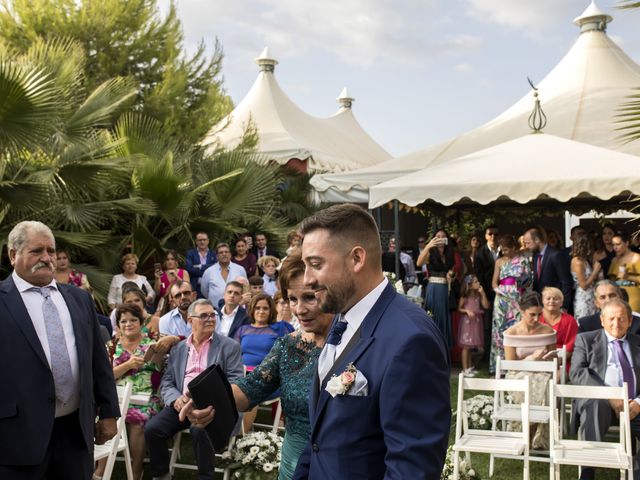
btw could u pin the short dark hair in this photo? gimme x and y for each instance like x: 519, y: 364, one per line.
x: 127, y: 308
x: 493, y: 226
x: 256, y: 280
x: 348, y: 225
x: 233, y: 283
x: 177, y: 284
x: 132, y: 287
x: 272, y: 306
x: 537, y: 233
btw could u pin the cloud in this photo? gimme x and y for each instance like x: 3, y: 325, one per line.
x: 463, y: 68
x: 358, y: 32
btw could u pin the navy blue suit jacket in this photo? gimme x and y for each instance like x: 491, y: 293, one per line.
x: 241, y: 318
x: 192, y: 260
x: 27, y: 401
x: 555, y: 273
x: 400, y: 428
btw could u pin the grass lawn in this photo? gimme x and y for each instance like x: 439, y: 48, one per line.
x: 504, y: 469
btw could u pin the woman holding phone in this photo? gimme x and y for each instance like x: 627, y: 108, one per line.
x: 171, y: 273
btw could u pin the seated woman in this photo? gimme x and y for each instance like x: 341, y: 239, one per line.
x: 257, y: 338
x: 563, y: 324
x: 129, y: 366
x: 67, y: 275
x: 531, y: 340
x: 132, y: 295
x: 290, y: 365
x: 171, y: 273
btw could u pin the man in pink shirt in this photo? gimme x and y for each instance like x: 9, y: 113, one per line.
x: 188, y: 358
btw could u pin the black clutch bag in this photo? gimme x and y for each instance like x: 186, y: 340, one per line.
x: 211, y: 387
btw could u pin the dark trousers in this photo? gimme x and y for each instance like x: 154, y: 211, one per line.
x: 67, y: 457
x: 164, y: 426
x: 596, y: 416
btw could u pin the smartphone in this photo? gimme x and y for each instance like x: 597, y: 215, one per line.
x: 157, y: 266
x: 445, y: 240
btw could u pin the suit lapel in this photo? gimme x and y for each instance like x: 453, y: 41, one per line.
x: 19, y: 314
x: 600, y: 354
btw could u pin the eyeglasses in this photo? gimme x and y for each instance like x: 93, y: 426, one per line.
x: 182, y: 294
x: 205, y: 316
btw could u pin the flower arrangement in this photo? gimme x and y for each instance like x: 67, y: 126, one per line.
x: 395, y: 283
x: 480, y: 409
x: 255, y: 456
x: 466, y: 472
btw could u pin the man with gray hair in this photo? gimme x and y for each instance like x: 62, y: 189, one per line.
x: 56, y: 377
x: 604, y: 291
x: 187, y: 359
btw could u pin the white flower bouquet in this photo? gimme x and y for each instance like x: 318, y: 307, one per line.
x: 466, y: 472
x: 480, y: 409
x: 255, y: 456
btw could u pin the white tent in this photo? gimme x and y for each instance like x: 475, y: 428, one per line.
x: 535, y: 166
x: 580, y: 98
x: 286, y: 132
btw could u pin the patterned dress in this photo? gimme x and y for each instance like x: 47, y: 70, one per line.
x: 583, y: 301
x: 290, y: 367
x: 515, y: 276
x: 145, y: 380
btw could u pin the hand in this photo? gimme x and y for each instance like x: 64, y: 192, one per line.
x: 172, y: 274
x: 246, y: 298
x: 105, y: 430
x: 198, y: 418
x: 596, y: 268
x: 158, y: 274
x: 471, y: 314
x: 537, y: 355
x: 634, y: 409
x: 180, y: 402
x: 136, y: 362
x: 617, y: 406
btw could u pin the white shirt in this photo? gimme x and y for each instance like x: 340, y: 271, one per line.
x: 172, y: 323
x: 224, y: 325
x: 270, y: 285
x: 33, y: 301
x: 355, y: 316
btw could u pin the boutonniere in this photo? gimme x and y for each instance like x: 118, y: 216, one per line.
x: 340, y: 384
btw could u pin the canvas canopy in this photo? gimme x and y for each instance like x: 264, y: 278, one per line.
x: 535, y: 166
x: 286, y: 132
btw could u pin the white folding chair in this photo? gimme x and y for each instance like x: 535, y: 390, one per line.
x: 586, y: 453
x: 119, y: 443
x: 513, y: 444
x: 275, y: 425
x: 175, y: 456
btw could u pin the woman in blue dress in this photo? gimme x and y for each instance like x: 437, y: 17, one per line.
x: 290, y: 365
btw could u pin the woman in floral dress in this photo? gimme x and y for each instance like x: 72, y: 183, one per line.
x: 585, y: 273
x: 511, y: 276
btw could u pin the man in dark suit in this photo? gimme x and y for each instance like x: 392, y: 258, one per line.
x: 187, y: 359
x: 260, y: 248
x: 550, y: 268
x: 609, y: 356
x: 231, y: 316
x: 198, y: 260
x: 56, y: 377
x: 379, y: 403
x: 484, y: 264
x: 604, y: 291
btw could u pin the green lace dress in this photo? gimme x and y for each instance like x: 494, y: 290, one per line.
x: 289, y: 366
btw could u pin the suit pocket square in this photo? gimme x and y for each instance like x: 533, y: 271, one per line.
x: 360, y: 387
x: 350, y: 382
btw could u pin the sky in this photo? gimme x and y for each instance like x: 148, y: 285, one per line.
x: 421, y: 71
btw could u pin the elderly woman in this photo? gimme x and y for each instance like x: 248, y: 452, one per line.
x: 171, y: 273
x: 129, y: 365
x: 66, y: 275
x: 290, y: 365
x: 529, y: 339
x: 269, y: 265
x: 439, y: 258
x: 625, y: 269
x: 563, y: 324
x: 511, y: 276
x: 129, y: 267
x: 585, y: 273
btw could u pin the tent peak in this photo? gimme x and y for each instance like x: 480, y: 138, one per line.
x: 265, y: 62
x: 345, y: 100
x: 593, y: 18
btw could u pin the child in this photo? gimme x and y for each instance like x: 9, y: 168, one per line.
x: 473, y: 302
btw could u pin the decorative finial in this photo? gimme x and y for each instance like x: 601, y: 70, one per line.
x: 593, y: 18
x: 265, y: 62
x: 344, y: 99
x: 537, y: 119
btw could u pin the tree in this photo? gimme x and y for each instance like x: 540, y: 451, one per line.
x: 128, y: 38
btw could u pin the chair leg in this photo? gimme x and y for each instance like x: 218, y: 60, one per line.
x: 492, y: 460
x: 525, y: 473
x: 456, y: 465
x: 127, y: 463
x: 175, y: 452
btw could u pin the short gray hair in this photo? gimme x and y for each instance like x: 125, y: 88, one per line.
x: 18, y: 235
x: 606, y: 283
x: 617, y: 302
x: 201, y: 301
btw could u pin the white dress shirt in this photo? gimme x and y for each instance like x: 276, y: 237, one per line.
x: 224, y: 324
x: 33, y: 300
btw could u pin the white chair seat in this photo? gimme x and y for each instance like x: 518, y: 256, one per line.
x: 511, y: 412
x: 591, y: 454
x: 139, y: 398
x: 495, y: 442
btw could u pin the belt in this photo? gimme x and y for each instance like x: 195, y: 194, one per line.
x: 438, y: 280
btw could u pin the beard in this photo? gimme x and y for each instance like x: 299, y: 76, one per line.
x: 338, y: 297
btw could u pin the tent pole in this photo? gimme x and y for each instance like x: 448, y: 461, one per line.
x: 396, y: 233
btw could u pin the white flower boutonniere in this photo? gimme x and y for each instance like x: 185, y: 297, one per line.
x: 340, y: 384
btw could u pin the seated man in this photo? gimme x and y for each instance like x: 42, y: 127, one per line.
x: 232, y: 315
x: 608, y: 356
x: 176, y: 321
x: 605, y: 290
x: 190, y: 357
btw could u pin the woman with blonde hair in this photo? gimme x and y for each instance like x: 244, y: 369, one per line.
x: 129, y: 267
x: 269, y: 265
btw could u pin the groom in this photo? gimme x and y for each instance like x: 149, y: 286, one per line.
x: 386, y: 411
